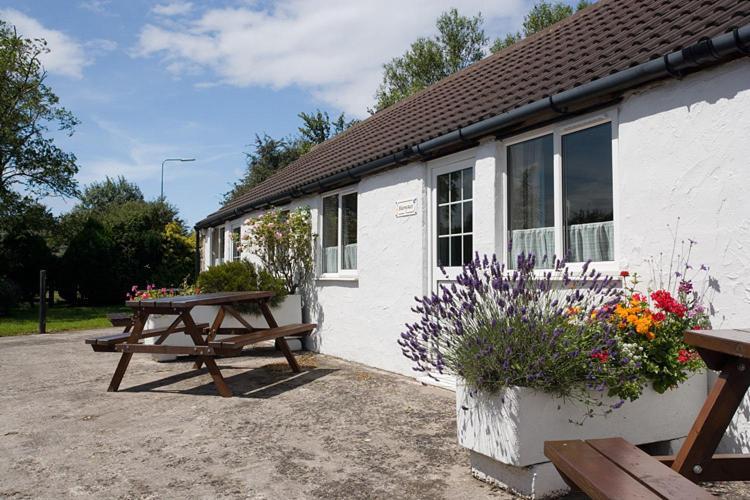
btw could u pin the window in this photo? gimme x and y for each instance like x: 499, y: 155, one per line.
x: 454, y: 218
x: 236, y: 244
x: 339, y: 233
x: 217, y: 246
x: 585, y: 228
x: 531, y: 198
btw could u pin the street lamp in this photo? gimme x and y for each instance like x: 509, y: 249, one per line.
x: 162, y: 171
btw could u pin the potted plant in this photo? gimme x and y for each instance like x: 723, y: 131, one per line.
x: 557, y: 355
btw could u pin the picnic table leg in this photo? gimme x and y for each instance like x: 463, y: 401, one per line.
x: 139, y: 321
x: 218, y: 320
x: 281, y: 341
x: 219, y: 382
x: 714, y: 418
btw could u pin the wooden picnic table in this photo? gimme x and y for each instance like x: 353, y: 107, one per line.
x: 613, y: 468
x: 206, y: 347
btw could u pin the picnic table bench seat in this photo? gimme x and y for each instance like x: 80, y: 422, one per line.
x: 614, y: 468
x: 239, y: 341
x: 107, y: 343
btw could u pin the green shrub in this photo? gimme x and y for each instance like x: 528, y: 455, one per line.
x: 241, y: 276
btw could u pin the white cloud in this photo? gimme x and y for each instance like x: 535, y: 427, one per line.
x: 66, y: 56
x: 172, y: 8
x: 97, y: 6
x: 332, y: 48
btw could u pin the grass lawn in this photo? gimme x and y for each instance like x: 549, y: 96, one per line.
x: 59, y: 319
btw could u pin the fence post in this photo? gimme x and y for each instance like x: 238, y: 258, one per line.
x: 42, y: 301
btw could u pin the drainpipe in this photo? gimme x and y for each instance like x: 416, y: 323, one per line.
x: 197, y: 252
x: 705, y: 52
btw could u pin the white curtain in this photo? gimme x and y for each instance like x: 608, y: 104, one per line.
x: 331, y: 258
x: 350, y: 256
x: 539, y: 241
x: 593, y: 241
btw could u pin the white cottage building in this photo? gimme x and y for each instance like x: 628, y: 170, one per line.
x: 592, y: 137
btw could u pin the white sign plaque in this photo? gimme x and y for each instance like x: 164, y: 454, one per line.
x: 405, y: 208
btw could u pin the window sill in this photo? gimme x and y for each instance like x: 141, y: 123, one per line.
x: 338, y: 277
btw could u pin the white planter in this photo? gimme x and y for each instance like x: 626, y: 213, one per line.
x: 506, y: 431
x: 289, y: 310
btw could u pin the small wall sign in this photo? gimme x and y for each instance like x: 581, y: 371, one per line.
x: 405, y: 208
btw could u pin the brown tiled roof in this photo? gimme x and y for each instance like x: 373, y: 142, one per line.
x: 610, y: 36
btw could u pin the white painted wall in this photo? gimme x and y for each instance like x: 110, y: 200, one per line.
x: 684, y: 151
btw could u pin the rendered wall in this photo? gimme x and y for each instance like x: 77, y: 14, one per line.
x: 684, y: 151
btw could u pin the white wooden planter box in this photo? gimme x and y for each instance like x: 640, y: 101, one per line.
x: 288, y: 311
x: 506, y: 431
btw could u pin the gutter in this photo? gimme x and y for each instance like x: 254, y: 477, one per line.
x: 703, y: 53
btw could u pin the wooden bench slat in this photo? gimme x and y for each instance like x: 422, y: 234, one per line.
x: 165, y: 349
x: 648, y: 469
x: 267, y: 334
x: 593, y: 473
x: 106, y: 343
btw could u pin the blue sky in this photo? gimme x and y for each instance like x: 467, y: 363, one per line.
x: 151, y: 80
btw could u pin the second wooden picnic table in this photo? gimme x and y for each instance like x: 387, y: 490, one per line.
x: 206, y: 346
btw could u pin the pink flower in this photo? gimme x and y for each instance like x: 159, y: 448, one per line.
x: 279, y: 235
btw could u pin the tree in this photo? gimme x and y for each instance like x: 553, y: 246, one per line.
x: 30, y: 160
x: 460, y: 42
x: 100, y: 195
x: 269, y: 154
x: 542, y: 15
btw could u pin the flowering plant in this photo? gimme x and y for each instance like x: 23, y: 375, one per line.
x: 151, y: 292
x: 282, y: 240
x: 497, y: 328
x: 650, y: 325
x: 557, y: 332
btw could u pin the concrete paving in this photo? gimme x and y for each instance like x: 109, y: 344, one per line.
x: 336, y: 431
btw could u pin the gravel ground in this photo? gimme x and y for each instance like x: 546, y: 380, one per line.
x: 337, y: 430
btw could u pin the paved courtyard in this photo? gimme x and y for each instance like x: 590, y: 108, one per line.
x: 337, y: 430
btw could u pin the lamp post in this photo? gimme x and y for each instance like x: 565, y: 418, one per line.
x: 162, y: 172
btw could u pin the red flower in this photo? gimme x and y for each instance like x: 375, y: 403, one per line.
x: 624, y: 274
x: 602, y: 356
x: 664, y: 301
x: 685, y: 355
x: 659, y: 316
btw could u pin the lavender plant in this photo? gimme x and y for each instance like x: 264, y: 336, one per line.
x: 497, y: 328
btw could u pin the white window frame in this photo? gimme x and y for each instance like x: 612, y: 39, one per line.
x: 435, y: 168
x: 342, y: 274
x: 558, y: 130
x: 235, y: 253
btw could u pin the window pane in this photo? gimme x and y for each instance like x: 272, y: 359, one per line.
x: 442, y: 252
x: 455, y: 187
x: 468, y: 249
x: 442, y: 188
x: 587, y: 187
x: 222, y: 242
x: 468, y: 222
x: 442, y: 221
x: 456, y: 254
x: 456, y: 218
x: 531, y: 198
x: 349, y: 231
x: 236, y: 243
x: 468, y: 175
x: 330, y: 234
